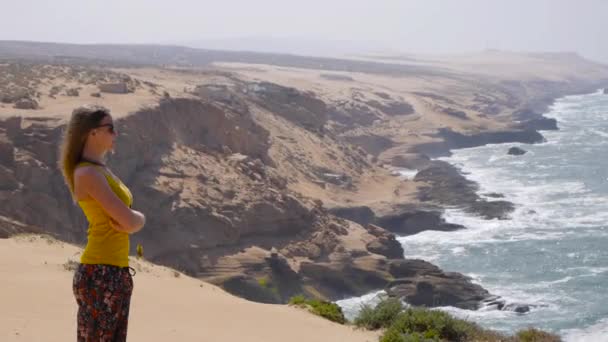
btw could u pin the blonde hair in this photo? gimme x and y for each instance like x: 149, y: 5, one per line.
x: 83, y: 120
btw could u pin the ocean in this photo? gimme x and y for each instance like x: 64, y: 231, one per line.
x: 552, y: 253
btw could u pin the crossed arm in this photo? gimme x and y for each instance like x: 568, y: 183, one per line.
x: 93, y: 184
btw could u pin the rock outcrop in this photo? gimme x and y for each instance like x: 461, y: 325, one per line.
x: 446, y: 186
x: 423, y: 284
x: 409, y: 222
x: 516, y: 151
x: 452, y: 140
x: 301, y: 108
x: 217, y: 208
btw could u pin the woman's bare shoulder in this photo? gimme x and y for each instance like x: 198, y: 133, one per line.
x: 87, y: 173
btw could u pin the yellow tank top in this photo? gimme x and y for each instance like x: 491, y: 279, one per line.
x: 105, y: 245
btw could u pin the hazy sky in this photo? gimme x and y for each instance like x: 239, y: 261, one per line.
x: 415, y: 26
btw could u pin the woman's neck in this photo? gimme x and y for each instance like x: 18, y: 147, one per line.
x: 93, y: 156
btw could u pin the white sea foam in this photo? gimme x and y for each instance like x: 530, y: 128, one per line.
x: 597, y: 332
x: 550, y: 253
x: 352, y: 306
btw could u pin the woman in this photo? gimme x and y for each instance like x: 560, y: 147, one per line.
x: 102, y: 282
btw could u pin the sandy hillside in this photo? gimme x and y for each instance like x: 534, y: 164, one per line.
x: 38, y: 305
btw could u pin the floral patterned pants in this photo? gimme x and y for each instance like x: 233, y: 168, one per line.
x: 103, y: 294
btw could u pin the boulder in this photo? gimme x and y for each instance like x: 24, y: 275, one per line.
x: 516, y: 151
x: 387, y: 246
x: 423, y: 284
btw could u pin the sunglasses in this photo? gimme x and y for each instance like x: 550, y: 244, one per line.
x: 110, y: 127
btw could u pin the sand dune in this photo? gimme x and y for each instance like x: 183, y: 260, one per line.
x: 38, y: 305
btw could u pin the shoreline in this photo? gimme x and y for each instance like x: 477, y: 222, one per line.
x: 462, y: 175
x: 281, y: 187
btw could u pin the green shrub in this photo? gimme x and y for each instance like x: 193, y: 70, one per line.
x: 298, y: 300
x: 329, y: 310
x: 432, y: 324
x: 535, y: 335
x: 382, y: 316
x: 263, y: 282
x: 417, y: 324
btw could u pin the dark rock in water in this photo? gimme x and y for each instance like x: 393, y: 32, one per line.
x: 416, y: 221
x: 516, y: 151
x: 447, y: 186
x: 540, y: 124
x: 606, y: 91
x: 494, y: 301
x: 452, y: 139
x: 501, y: 304
x: 517, y: 307
x: 494, y: 195
x: 422, y: 284
x: 492, y: 209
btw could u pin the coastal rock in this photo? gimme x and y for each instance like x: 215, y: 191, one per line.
x: 517, y: 307
x: 422, y: 284
x: 539, y: 124
x: 452, y: 140
x: 363, y: 215
x: 416, y: 221
x: 412, y: 161
x: 403, y: 222
x: 606, y: 91
x: 445, y: 185
x: 500, y: 304
x: 342, y: 279
x: 516, y: 151
x: 386, y: 245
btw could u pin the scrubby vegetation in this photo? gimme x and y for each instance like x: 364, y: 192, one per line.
x: 419, y: 324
